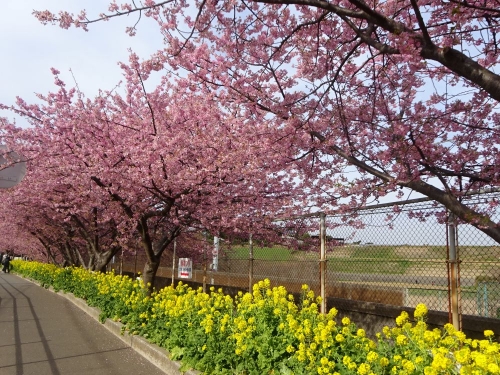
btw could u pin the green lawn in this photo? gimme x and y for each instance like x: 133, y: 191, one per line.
x: 381, y: 259
x: 373, y: 265
x: 261, y: 253
x: 370, y: 259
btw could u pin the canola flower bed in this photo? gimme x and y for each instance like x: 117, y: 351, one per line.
x: 265, y: 332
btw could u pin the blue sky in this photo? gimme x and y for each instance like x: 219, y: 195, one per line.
x: 30, y: 49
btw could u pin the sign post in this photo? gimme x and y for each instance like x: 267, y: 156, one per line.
x: 185, y: 268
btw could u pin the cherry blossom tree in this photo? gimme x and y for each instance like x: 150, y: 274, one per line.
x: 27, y: 230
x: 15, y: 239
x: 152, y: 164
x: 52, y: 207
x: 404, y: 94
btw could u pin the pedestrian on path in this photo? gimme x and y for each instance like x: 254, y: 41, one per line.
x: 6, y: 263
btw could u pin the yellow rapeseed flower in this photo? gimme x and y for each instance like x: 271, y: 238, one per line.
x: 402, y: 318
x: 364, y: 369
x: 372, y: 356
x: 493, y: 368
x: 488, y: 333
x: 420, y: 311
x: 384, y: 362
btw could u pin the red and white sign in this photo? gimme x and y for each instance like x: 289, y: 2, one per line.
x: 185, y: 268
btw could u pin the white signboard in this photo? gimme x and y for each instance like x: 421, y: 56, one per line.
x: 185, y: 268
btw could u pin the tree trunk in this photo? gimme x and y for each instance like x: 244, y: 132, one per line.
x: 102, y: 259
x: 48, y: 249
x: 149, y: 273
x: 69, y: 255
x: 153, y: 251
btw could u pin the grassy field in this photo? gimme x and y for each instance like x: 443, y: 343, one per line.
x: 380, y: 266
x: 261, y: 253
x: 381, y: 259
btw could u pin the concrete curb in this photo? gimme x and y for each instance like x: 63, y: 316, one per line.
x: 151, y: 352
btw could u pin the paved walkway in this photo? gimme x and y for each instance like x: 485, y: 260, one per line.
x: 44, y: 333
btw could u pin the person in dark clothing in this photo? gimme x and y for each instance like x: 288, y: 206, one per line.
x: 6, y: 263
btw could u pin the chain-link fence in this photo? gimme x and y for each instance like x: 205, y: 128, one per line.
x: 397, y: 254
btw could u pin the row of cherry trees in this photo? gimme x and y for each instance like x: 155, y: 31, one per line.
x: 374, y: 98
x: 354, y: 100
x: 138, y: 169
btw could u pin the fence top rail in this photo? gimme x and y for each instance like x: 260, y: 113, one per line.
x: 383, y: 205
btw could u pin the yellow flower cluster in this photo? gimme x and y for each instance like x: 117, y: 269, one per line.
x: 266, y: 331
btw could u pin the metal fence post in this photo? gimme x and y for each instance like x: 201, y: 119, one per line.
x: 250, y: 264
x: 484, y: 301
x: 453, y: 264
x: 215, y: 254
x: 173, y: 262
x: 205, y: 263
x: 121, y: 263
x: 322, y: 262
x: 135, y: 264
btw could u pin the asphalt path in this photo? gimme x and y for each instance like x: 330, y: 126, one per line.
x: 44, y: 333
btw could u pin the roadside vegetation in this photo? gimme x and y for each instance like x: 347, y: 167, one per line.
x: 265, y: 332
